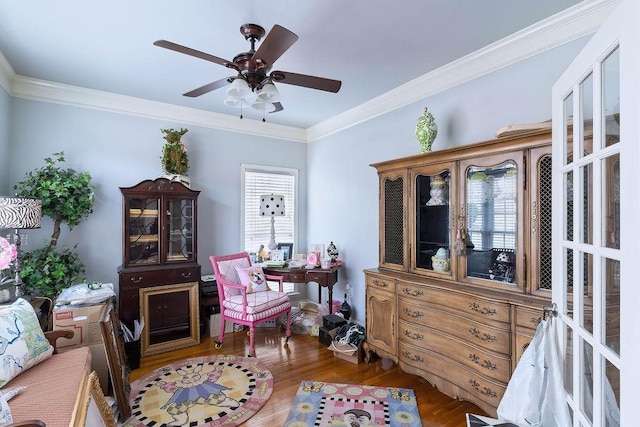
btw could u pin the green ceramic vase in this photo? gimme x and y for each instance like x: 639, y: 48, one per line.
x: 426, y: 130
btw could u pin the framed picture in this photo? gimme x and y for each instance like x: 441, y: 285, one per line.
x: 287, y: 250
x: 277, y: 255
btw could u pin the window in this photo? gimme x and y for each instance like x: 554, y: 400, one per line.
x: 259, y: 180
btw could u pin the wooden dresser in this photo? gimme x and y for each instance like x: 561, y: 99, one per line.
x: 465, y: 268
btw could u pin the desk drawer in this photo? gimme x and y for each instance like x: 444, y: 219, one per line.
x: 324, y: 278
x: 296, y: 277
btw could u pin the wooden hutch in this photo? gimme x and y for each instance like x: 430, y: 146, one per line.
x: 464, y: 263
x: 159, y: 276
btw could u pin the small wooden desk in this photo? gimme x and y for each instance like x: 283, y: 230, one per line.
x: 324, y: 277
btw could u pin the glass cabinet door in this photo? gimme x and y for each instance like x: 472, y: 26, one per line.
x: 492, y: 237
x: 179, y: 228
x: 432, y: 218
x: 143, y: 234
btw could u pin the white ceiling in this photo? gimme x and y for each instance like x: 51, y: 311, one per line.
x: 372, y: 46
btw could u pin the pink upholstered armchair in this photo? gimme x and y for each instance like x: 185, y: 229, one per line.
x: 240, y: 303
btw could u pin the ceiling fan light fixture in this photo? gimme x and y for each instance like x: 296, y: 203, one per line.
x: 269, y: 93
x: 267, y: 107
x: 235, y: 102
x: 239, y: 89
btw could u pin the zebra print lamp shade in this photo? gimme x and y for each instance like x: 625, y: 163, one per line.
x: 20, y: 212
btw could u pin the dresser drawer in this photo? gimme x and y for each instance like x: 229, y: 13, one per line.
x: 478, y: 386
x: 381, y: 282
x: 478, y: 334
x: 488, y: 364
x: 160, y: 277
x: 472, y: 306
x: 528, y: 318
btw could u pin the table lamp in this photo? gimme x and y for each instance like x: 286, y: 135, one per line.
x: 19, y: 213
x: 272, y: 205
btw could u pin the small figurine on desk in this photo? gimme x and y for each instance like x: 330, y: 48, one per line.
x: 259, y: 255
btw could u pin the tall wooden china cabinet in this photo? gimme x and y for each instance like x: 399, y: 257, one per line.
x: 464, y: 263
x: 159, y: 276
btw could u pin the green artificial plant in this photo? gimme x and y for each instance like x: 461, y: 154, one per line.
x: 67, y: 197
x: 174, y: 154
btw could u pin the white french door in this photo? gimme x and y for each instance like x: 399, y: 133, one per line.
x: 596, y: 222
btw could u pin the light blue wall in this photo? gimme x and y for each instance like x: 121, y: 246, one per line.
x: 5, y: 137
x: 120, y: 151
x: 343, y: 195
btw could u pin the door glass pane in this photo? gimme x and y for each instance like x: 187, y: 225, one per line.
x: 611, y: 201
x: 587, y: 290
x: 568, y: 190
x: 611, y: 324
x: 569, y: 279
x: 491, y: 222
x: 568, y: 127
x: 568, y: 359
x: 432, y: 222
x: 586, y: 177
x: 611, y: 97
x: 611, y: 392
x: 587, y: 380
x: 586, y: 100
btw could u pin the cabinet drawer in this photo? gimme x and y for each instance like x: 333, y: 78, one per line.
x: 481, y: 388
x: 381, y: 282
x: 473, y: 306
x: 160, y: 277
x: 478, y: 334
x: 528, y: 318
x: 490, y: 365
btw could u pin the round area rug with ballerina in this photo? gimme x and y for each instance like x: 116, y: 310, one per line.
x: 203, y: 391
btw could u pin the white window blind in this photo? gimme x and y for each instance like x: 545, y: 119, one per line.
x: 263, y: 180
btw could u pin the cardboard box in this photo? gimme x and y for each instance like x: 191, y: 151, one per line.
x: 83, y: 321
x: 347, y: 353
x: 214, y: 326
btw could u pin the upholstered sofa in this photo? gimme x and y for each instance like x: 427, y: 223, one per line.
x: 53, y: 384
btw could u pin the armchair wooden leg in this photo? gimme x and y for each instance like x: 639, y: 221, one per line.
x: 252, y: 349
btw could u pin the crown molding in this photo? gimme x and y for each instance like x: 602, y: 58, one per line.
x: 571, y: 24
x: 46, y: 91
x: 6, y: 74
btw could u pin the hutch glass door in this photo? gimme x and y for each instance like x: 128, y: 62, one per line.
x: 143, y: 231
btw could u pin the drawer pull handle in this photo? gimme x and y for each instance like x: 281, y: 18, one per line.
x: 413, y: 335
x: 414, y: 314
x: 414, y: 293
x: 485, y: 336
x: 485, y: 310
x: 379, y: 283
x: 186, y: 275
x: 485, y: 363
x: 415, y: 358
x: 485, y: 390
x: 136, y: 279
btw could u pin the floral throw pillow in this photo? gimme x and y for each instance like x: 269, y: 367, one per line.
x: 253, y: 278
x: 22, y: 342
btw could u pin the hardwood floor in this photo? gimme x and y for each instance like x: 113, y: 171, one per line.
x: 304, y: 358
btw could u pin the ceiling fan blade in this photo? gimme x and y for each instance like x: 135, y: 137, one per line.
x: 207, y: 88
x: 304, y: 80
x: 278, y: 106
x: 188, y: 51
x: 275, y: 44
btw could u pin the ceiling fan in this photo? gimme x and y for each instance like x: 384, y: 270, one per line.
x: 253, y: 70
